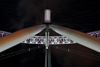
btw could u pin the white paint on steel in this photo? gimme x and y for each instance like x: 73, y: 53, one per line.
x: 19, y: 36
x: 79, y: 37
x: 47, y: 17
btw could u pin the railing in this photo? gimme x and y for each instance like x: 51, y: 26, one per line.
x: 52, y: 39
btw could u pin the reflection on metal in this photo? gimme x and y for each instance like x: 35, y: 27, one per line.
x: 52, y: 39
x: 19, y: 36
x: 79, y: 37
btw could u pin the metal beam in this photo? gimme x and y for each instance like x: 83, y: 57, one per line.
x: 19, y: 36
x: 79, y: 37
x: 53, y: 40
x: 47, y: 50
x: 46, y: 57
x: 49, y: 57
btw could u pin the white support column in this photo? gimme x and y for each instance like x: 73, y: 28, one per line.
x: 47, y: 16
x: 19, y: 36
x: 79, y: 37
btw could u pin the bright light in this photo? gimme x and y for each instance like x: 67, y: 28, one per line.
x: 41, y: 42
x: 47, y: 17
x: 30, y: 41
x: 46, y: 47
x: 63, y: 42
x: 52, y: 42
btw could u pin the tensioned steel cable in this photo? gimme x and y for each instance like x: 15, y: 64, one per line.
x: 18, y: 52
x: 79, y: 53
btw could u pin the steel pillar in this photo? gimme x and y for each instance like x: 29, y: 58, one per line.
x: 48, y: 57
x: 47, y: 50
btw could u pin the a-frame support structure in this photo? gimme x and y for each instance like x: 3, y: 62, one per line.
x: 77, y: 36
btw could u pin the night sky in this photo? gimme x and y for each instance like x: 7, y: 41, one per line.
x: 81, y: 15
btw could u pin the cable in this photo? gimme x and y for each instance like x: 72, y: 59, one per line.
x: 84, y: 53
x: 86, y: 56
x: 12, y: 53
x: 78, y: 52
x: 18, y: 52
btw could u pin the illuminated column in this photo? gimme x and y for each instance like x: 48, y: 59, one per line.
x: 19, y: 36
x: 47, y: 37
x: 47, y: 16
x: 79, y: 37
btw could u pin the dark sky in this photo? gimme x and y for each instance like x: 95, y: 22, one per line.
x: 82, y: 15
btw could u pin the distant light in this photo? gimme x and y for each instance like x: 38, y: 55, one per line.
x: 69, y: 42
x: 52, y: 42
x: 36, y: 42
x: 30, y: 41
x: 41, y: 42
x: 74, y: 42
x: 25, y: 41
x: 46, y: 47
x: 63, y: 42
x: 57, y: 42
